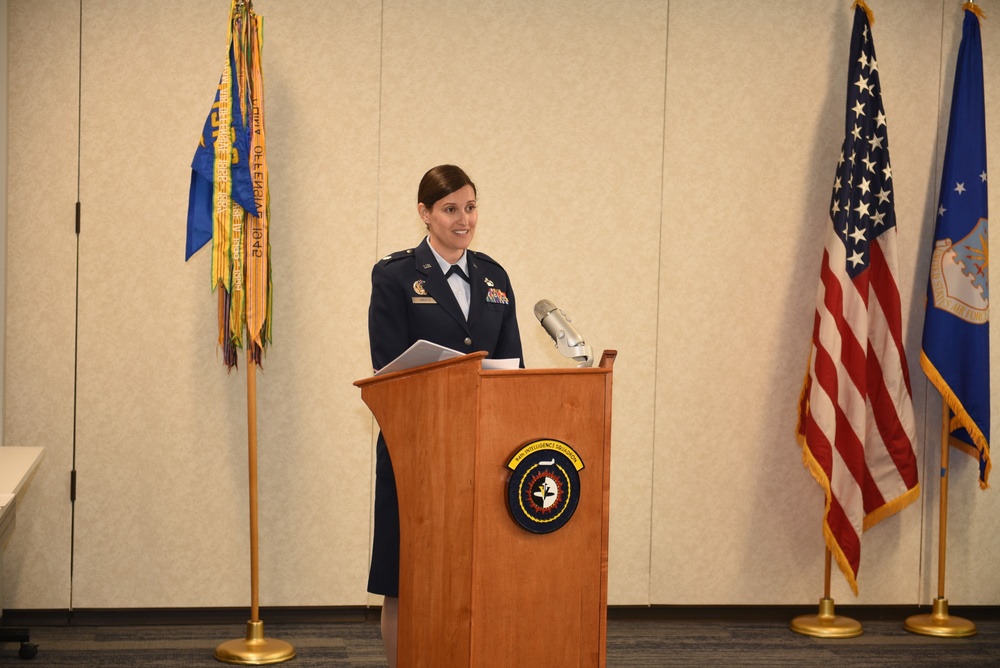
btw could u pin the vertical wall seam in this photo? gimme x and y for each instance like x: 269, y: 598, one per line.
x: 659, y: 284
x: 76, y: 305
x: 378, y: 209
x: 926, y: 530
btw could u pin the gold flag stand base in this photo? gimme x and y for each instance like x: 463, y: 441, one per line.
x: 825, y: 624
x: 939, y: 623
x: 255, y: 650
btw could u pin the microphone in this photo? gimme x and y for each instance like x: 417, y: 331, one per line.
x: 560, y: 328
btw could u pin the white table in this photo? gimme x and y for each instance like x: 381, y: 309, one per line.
x: 16, y: 466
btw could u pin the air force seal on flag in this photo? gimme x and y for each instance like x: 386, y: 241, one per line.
x: 543, y: 488
x: 960, y: 276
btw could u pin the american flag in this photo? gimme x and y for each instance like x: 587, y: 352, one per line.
x: 856, y: 425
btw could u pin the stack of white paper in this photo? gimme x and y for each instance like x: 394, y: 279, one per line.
x: 424, y: 352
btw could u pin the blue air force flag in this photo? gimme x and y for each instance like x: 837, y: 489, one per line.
x: 202, y: 191
x: 955, y: 353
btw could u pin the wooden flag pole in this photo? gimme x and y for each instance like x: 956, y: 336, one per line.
x: 825, y: 624
x: 255, y: 649
x: 252, y: 469
x: 939, y: 622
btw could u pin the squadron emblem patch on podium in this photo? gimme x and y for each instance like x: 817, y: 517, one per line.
x: 543, y: 488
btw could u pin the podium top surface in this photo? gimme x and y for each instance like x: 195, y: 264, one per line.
x: 605, y: 367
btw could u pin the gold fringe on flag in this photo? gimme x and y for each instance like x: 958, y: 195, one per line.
x: 863, y: 6
x: 960, y: 418
x: 870, y: 520
x: 819, y: 475
x: 831, y: 542
x: 975, y: 9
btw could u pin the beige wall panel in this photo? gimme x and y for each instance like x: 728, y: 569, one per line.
x: 659, y: 169
x: 161, y: 449
x: 555, y: 110
x: 3, y: 201
x: 755, y: 113
x: 972, y: 513
x: 323, y: 80
x: 162, y: 512
x: 41, y: 263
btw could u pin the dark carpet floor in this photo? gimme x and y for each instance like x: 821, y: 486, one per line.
x: 631, y: 643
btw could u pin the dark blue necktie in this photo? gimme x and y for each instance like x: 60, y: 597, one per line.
x: 455, y: 269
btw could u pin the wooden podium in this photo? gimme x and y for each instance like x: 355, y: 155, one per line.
x: 475, y: 588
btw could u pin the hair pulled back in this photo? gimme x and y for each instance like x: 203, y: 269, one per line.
x: 441, y: 181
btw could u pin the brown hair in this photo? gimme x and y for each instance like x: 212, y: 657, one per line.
x: 441, y: 181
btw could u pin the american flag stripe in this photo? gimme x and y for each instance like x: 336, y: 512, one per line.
x: 848, y: 536
x: 884, y: 285
x: 887, y: 296
x: 837, y: 330
x: 856, y: 424
x: 891, y: 392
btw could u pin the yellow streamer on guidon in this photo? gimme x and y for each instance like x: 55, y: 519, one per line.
x: 258, y: 265
x: 240, y: 244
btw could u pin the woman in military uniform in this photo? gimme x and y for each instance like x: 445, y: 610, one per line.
x: 443, y: 292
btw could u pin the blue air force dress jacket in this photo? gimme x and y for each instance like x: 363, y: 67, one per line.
x: 411, y: 300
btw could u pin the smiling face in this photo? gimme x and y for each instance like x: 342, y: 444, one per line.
x: 451, y: 222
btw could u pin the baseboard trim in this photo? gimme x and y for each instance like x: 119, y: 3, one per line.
x: 193, y: 616
x: 785, y: 613
x: 362, y: 614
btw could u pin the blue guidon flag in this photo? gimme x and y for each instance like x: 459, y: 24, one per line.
x: 955, y: 353
x: 543, y: 488
x: 229, y: 197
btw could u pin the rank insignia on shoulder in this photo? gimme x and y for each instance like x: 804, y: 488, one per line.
x: 495, y: 296
x: 397, y: 255
x: 418, y: 287
x: 543, y: 489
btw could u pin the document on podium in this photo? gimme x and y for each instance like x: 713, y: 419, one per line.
x: 424, y: 352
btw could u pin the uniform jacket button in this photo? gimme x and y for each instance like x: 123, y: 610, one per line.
x: 468, y: 341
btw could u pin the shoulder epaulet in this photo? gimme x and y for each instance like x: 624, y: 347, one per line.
x: 398, y: 255
x: 483, y: 256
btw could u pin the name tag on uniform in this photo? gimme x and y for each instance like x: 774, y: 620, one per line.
x: 424, y: 300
